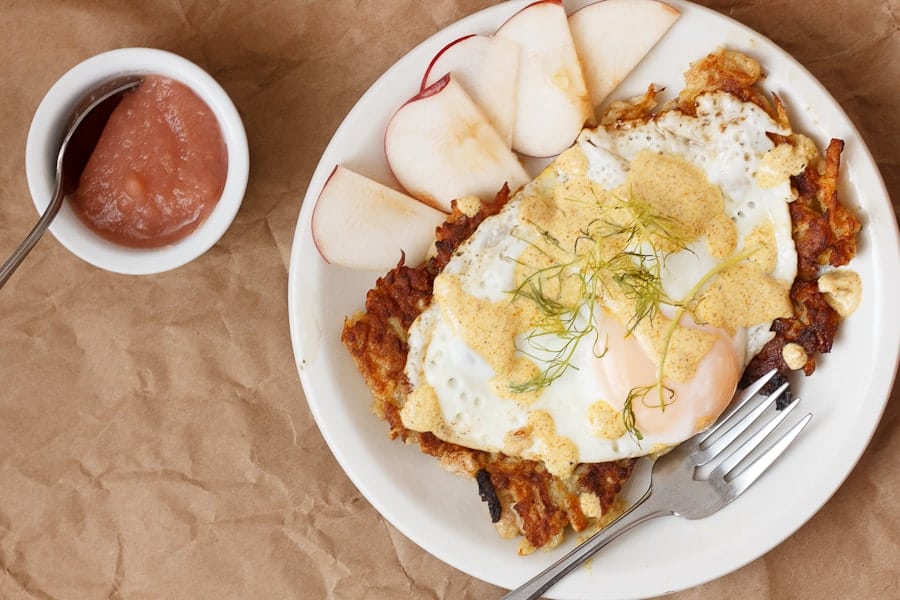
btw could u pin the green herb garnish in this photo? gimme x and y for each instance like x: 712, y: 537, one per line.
x: 625, y: 246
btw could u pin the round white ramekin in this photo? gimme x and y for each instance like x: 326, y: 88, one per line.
x: 46, y: 132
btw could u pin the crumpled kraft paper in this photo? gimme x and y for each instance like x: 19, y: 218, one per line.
x: 154, y: 440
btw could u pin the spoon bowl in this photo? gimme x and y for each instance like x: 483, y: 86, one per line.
x: 81, y: 133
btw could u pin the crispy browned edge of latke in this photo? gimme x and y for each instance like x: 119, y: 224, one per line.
x: 824, y: 232
x: 523, y: 497
x: 823, y: 228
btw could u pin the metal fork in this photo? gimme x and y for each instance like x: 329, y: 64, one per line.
x: 732, y: 451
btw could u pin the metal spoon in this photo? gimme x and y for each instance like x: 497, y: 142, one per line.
x: 80, y: 135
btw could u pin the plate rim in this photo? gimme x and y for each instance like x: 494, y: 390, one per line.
x: 295, y: 282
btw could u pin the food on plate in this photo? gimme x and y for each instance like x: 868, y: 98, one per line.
x: 610, y: 308
x: 487, y: 67
x: 824, y: 231
x: 440, y: 146
x: 794, y: 355
x: 613, y: 36
x: 545, y: 505
x: 486, y: 102
x: 842, y: 289
x: 362, y: 224
x: 158, y: 169
x: 607, y: 309
x: 552, y: 103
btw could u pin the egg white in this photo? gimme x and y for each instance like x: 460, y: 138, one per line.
x: 726, y: 139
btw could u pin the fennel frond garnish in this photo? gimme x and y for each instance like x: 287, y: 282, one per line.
x: 622, y: 246
x: 623, y: 252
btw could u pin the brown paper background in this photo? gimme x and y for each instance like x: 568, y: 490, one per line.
x: 154, y: 439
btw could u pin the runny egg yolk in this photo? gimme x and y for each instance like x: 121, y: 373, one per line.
x: 675, y: 409
x: 608, y: 310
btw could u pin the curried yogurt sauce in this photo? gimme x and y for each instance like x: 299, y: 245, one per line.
x: 613, y: 294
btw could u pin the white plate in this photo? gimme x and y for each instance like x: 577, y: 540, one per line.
x: 443, y: 514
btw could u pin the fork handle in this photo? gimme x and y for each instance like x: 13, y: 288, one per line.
x: 640, y: 511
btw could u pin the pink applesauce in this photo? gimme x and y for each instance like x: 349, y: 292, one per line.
x: 158, y: 169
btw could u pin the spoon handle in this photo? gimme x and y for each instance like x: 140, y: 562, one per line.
x: 13, y: 262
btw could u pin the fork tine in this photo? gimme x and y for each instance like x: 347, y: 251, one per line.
x: 736, y: 428
x: 740, y: 483
x: 690, y: 450
x: 748, y: 446
x: 740, y: 400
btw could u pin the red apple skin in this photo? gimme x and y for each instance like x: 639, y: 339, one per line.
x: 465, y: 182
x: 431, y: 90
x: 468, y: 59
x: 315, y: 239
x: 441, y: 52
x: 557, y: 2
x: 361, y: 223
x: 588, y: 113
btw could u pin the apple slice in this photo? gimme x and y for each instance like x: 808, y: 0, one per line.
x: 552, y: 103
x: 487, y: 68
x: 362, y: 224
x: 440, y: 147
x: 612, y: 36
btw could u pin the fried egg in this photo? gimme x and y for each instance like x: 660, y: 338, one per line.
x: 608, y: 310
